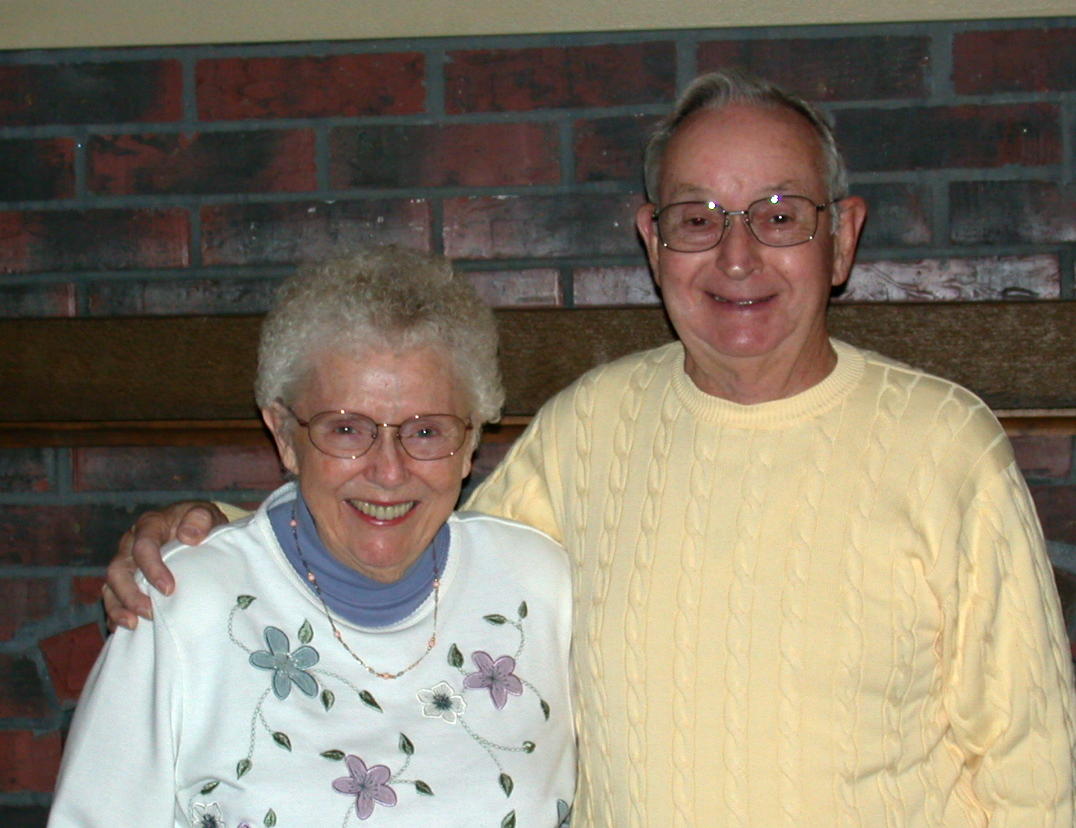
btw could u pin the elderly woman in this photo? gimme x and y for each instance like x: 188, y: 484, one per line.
x: 353, y: 651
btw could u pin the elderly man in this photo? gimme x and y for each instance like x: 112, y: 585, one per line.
x: 810, y: 586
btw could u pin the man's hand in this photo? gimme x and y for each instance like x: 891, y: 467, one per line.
x: 140, y: 548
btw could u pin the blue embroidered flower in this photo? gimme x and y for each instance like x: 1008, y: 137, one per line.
x: 367, y: 785
x: 442, y: 702
x: 495, y: 675
x: 287, y: 667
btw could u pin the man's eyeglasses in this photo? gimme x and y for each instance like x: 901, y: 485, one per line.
x: 349, y: 435
x: 776, y: 221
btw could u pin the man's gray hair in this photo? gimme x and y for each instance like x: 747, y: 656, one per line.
x: 382, y: 297
x: 716, y: 90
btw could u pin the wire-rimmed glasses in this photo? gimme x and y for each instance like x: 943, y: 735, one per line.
x: 776, y: 221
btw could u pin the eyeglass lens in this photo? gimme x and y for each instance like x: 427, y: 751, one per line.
x: 426, y: 437
x: 777, y: 221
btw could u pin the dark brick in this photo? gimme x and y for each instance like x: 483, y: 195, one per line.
x: 25, y: 470
x: 611, y: 149
x: 1057, y: 511
x: 175, y: 468
x: 28, y: 761
x: 31, y: 816
x: 93, y: 239
x: 86, y: 589
x: 898, y: 215
x: 170, y: 297
x: 37, y: 169
x: 829, y: 69
x: 613, y: 286
x: 235, y: 234
x: 461, y: 155
x: 511, y: 226
x: 21, y: 690
x: 1045, y: 456
x: 69, y: 657
x: 939, y: 137
x: 1007, y: 212
x: 83, y: 535
x: 22, y: 600
x: 984, y: 278
x: 502, y: 80
x: 91, y: 93
x: 209, y: 162
x: 1020, y: 60
x: 518, y: 288
x: 307, y: 87
x: 54, y: 299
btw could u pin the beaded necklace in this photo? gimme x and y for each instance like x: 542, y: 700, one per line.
x: 312, y: 578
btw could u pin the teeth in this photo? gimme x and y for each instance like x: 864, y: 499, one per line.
x: 740, y: 303
x: 379, y: 512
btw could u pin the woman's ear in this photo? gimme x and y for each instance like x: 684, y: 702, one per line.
x: 276, y: 419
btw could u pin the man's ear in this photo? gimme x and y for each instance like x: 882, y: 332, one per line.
x: 648, y: 230
x: 276, y: 419
x: 853, y: 212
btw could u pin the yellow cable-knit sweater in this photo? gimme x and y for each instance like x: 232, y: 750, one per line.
x: 833, y: 609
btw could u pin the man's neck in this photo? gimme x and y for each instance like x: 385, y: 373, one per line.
x: 754, y: 380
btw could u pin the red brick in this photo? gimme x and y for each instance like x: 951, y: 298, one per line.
x: 518, y: 288
x: 173, y: 468
x: 28, y: 761
x: 22, y: 600
x: 98, y: 93
x: 501, y: 80
x: 929, y: 138
x: 986, y: 278
x: 69, y: 657
x: 1010, y: 212
x: 1057, y: 511
x: 309, y: 87
x: 169, y: 297
x: 113, y: 239
x: 57, y: 299
x: 236, y: 234
x: 84, y: 535
x: 1017, y: 60
x: 25, y: 470
x: 1047, y: 456
x: 612, y: 286
x: 463, y: 155
x: 86, y: 589
x: 829, y: 69
x: 21, y: 691
x: 899, y: 215
x: 209, y: 162
x: 37, y: 169
x: 611, y: 149
x: 514, y: 226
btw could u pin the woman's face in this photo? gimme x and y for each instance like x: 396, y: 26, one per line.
x: 376, y: 513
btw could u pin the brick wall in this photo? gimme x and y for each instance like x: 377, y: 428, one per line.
x: 188, y: 180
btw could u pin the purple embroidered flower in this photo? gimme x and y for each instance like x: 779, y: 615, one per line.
x: 496, y: 675
x: 367, y: 785
x: 287, y: 667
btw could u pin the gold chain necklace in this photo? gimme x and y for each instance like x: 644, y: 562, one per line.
x: 312, y: 578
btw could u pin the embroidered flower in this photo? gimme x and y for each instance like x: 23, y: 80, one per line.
x: 496, y: 675
x: 208, y: 816
x: 367, y: 785
x: 287, y: 667
x: 441, y: 702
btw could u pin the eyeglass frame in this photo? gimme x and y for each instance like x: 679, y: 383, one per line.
x: 728, y: 214
x: 467, y: 426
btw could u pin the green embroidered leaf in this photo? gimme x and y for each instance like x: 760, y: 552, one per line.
x: 209, y: 786
x: 242, y: 767
x: 523, y: 610
x: 282, y: 740
x: 328, y: 699
x: 335, y: 755
x: 406, y: 746
x: 423, y: 788
x: 244, y: 601
x: 509, y: 820
x: 495, y: 619
x: 306, y: 632
x: 506, y: 784
x: 270, y: 818
x: 368, y: 699
x: 528, y: 747
x: 545, y: 709
x: 455, y: 657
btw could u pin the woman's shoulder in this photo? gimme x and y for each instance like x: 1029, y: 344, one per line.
x: 493, y: 533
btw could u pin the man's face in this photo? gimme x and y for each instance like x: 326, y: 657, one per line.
x: 742, y: 308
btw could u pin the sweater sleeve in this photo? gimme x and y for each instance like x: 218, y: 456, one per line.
x: 119, y: 761
x: 1010, y: 694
